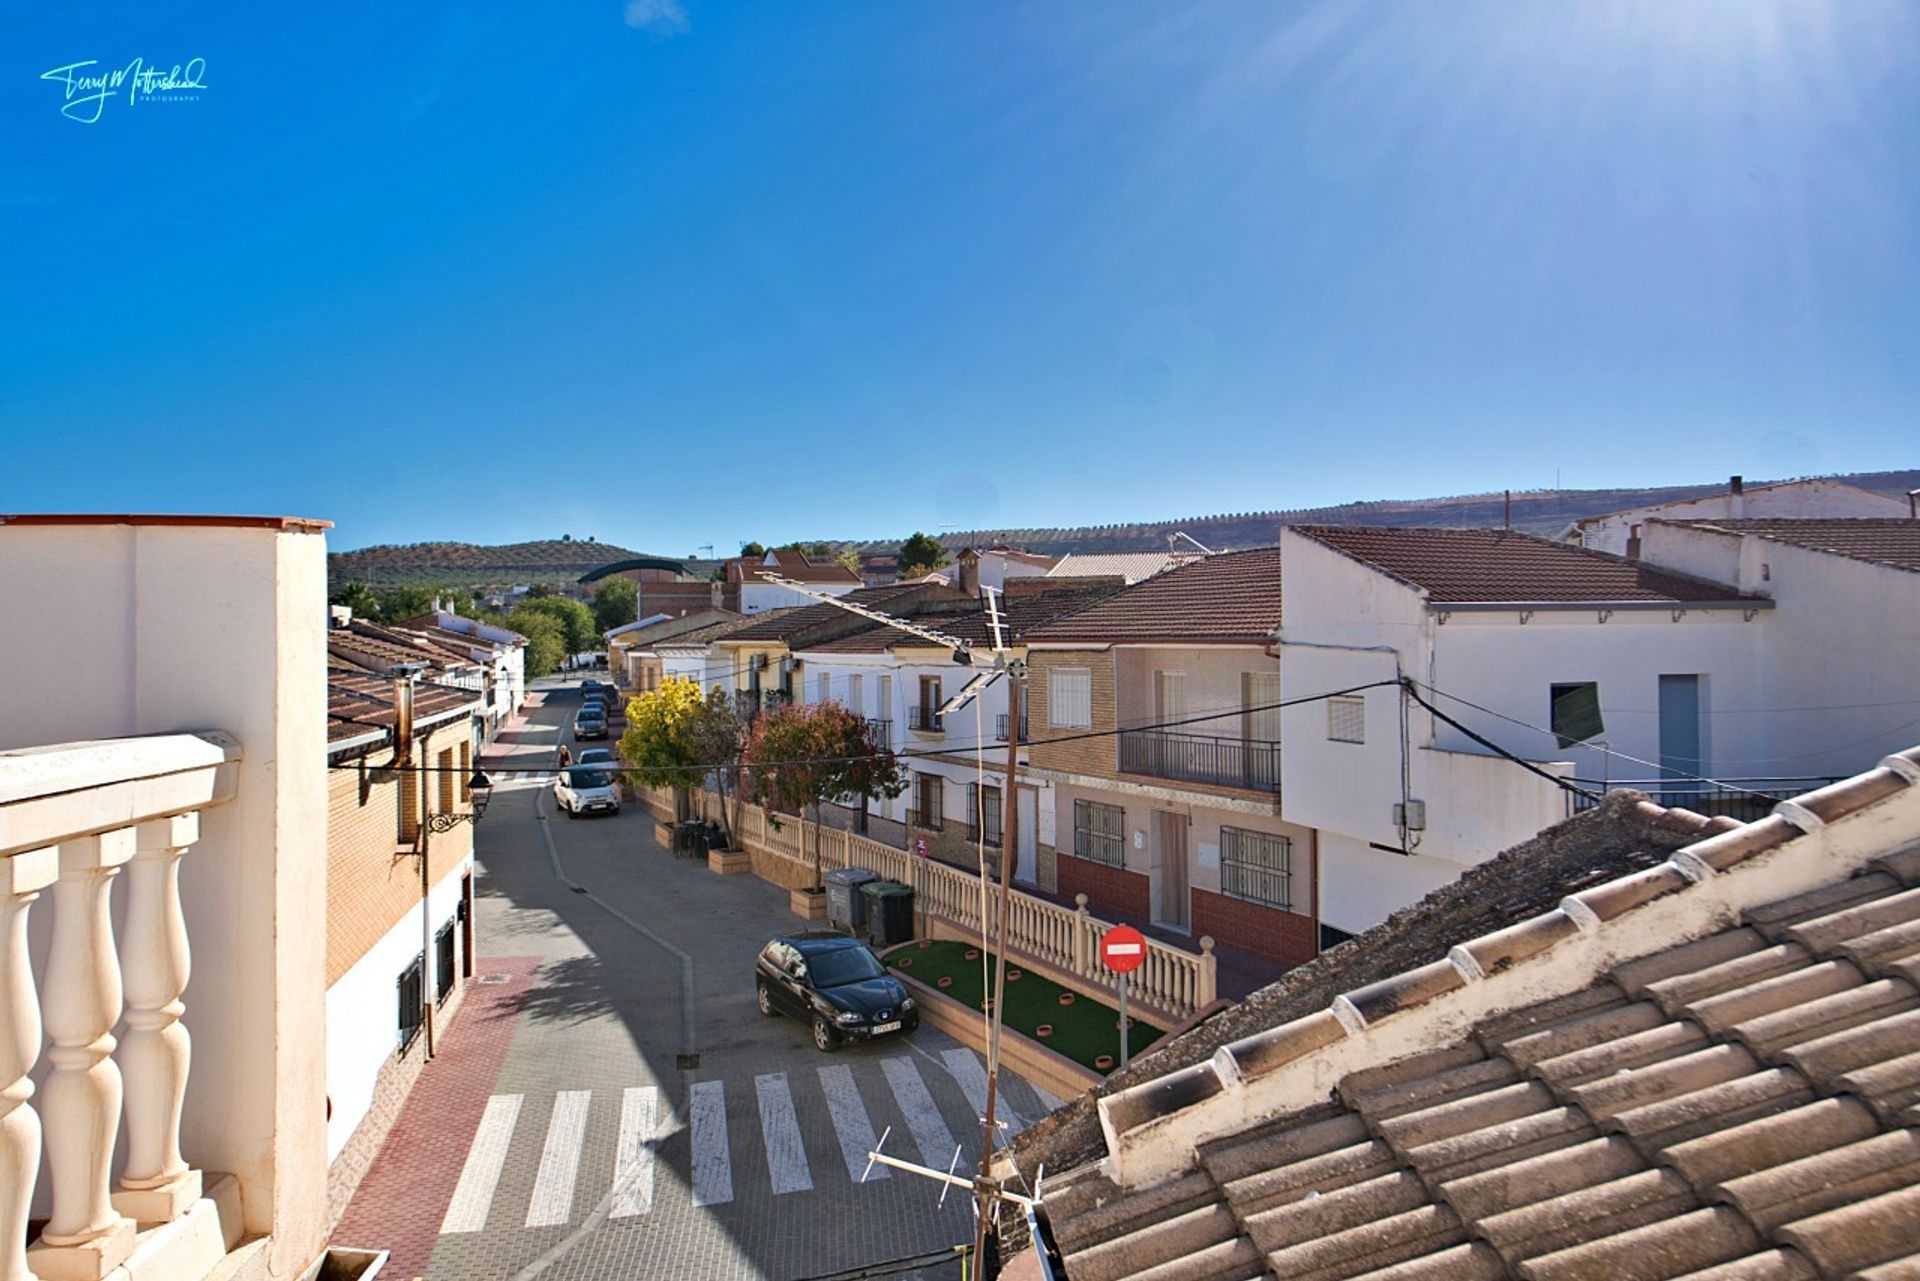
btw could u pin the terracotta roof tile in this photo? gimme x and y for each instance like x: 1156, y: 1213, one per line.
x: 1890, y: 542
x: 1231, y: 597
x: 1736, y: 1107
x: 1461, y: 566
x: 360, y: 703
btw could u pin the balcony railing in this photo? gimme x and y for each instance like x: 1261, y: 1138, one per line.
x: 74, y: 819
x: 926, y: 720
x: 1000, y: 724
x: 1746, y: 799
x: 882, y: 732
x: 1200, y: 758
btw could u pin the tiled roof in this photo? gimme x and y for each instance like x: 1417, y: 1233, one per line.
x: 781, y: 625
x: 1019, y: 615
x: 1883, y: 542
x: 360, y: 703
x: 1234, y: 596
x: 713, y: 631
x: 1131, y: 566
x: 1493, y: 565
x: 1670, y: 1075
x: 387, y: 646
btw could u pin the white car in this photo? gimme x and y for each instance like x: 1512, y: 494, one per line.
x: 584, y: 790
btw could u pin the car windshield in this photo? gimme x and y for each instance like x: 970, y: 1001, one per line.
x: 588, y: 778
x: 592, y: 714
x: 843, y: 965
x: 596, y: 756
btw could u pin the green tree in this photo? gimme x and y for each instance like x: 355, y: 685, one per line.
x: 662, y: 738
x: 359, y: 598
x: 546, y: 639
x: 753, y: 549
x: 921, y: 555
x: 616, y: 602
x: 807, y: 755
x: 849, y: 558
x: 577, y: 630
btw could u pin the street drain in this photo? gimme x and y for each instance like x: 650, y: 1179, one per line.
x: 687, y: 1062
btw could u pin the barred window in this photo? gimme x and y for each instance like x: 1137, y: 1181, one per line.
x: 992, y: 835
x: 929, y: 797
x: 410, y: 987
x: 444, y: 961
x: 1070, y: 698
x: 1099, y: 832
x: 1256, y: 866
x: 1347, y: 719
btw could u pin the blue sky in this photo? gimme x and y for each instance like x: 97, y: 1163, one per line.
x: 682, y: 273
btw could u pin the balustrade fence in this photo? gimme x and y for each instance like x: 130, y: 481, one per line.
x: 72, y: 845
x: 1176, y: 983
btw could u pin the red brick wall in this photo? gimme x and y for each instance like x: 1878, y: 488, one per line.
x: 1286, y: 937
x: 1109, y: 887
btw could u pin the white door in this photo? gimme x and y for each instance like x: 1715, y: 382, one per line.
x: 1029, y: 836
x: 857, y: 694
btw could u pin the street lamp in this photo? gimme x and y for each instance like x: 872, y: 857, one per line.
x: 479, y: 792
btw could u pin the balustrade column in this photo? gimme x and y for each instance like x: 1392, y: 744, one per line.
x: 85, y: 1236
x: 22, y: 877
x: 1209, y: 975
x: 1082, y: 935
x: 157, y: 1186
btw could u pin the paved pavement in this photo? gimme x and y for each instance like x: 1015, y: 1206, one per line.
x: 610, y: 1103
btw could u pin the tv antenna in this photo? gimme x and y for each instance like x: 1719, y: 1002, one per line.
x: 990, y: 663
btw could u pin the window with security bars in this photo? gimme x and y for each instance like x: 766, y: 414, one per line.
x: 444, y: 962
x: 929, y: 797
x: 1100, y: 832
x: 991, y: 810
x: 447, y: 780
x: 410, y: 1000
x: 1347, y: 719
x: 1256, y: 866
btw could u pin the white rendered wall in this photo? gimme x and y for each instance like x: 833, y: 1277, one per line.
x: 1361, y: 886
x: 1797, y: 500
x: 758, y: 597
x: 363, y: 1009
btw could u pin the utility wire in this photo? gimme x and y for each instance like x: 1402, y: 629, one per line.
x: 1490, y: 745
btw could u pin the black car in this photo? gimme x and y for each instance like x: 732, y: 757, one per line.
x: 837, y: 984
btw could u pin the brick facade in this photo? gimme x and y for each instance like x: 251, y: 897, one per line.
x: 1095, y: 755
x: 1112, y: 888
x: 1286, y: 937
x: 372, y: 881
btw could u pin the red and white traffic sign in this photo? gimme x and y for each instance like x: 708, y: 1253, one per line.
x: 1122, y: 948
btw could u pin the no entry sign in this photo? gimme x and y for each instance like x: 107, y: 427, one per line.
x: 1122, y: 948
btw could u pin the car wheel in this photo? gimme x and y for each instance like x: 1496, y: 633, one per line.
x: 766, y: 1000
x: 571, y: 812
x: 911, y: 1026
x: 824, y: 1038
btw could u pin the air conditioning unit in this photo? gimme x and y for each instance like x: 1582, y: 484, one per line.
x: 1411, y: 815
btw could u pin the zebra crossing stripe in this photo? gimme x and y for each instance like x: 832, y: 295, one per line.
x: 633, y: 1157
x: 850, y: 1123
x: 707, y: 1122
x: 559, y: 1159
x: 467, y: 1211
x: 971, y: 1073
x: 780, y: 1132
x: 924, y: 1122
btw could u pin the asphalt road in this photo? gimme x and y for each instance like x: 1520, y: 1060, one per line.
x: 647, y: 1120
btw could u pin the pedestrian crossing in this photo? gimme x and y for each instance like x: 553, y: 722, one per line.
x: 764, y: 1124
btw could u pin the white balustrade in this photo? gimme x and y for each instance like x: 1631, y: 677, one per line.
x: 83, y: 1091
x: 157, y: 1185
x: 22, y: 877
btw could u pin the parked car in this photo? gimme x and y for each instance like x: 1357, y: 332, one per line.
x: 835, y: 983
x: 596, y: 689
x: 582, y: 790
x: 597, y: 756
x: 590, y: 723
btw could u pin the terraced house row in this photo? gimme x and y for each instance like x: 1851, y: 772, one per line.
x: 1209, y: 755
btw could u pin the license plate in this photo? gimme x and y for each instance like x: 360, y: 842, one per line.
x: 887, y: 1027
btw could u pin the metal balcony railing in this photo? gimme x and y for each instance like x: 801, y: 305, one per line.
x: 927, y: 720
x: 882, y: 732
x: 1200, y: 758
x: 1000, y: 724
x: 1746, y: 799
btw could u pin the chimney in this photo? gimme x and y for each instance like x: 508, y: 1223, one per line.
x: 970, y: 572
x: 1737, y: 489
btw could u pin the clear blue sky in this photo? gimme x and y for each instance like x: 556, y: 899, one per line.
x: 676, y: 273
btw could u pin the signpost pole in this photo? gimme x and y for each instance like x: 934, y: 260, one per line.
x: 1124, y: 1037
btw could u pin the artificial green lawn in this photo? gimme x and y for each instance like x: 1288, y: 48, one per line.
x: 1082, y: 1031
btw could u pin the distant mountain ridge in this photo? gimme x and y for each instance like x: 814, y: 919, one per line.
x: 1535, y: 511
x: 551, y: 562
x: 555, y: 562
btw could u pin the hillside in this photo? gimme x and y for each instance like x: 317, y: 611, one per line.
x: 553, y: 562
x: 1536, y: 511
